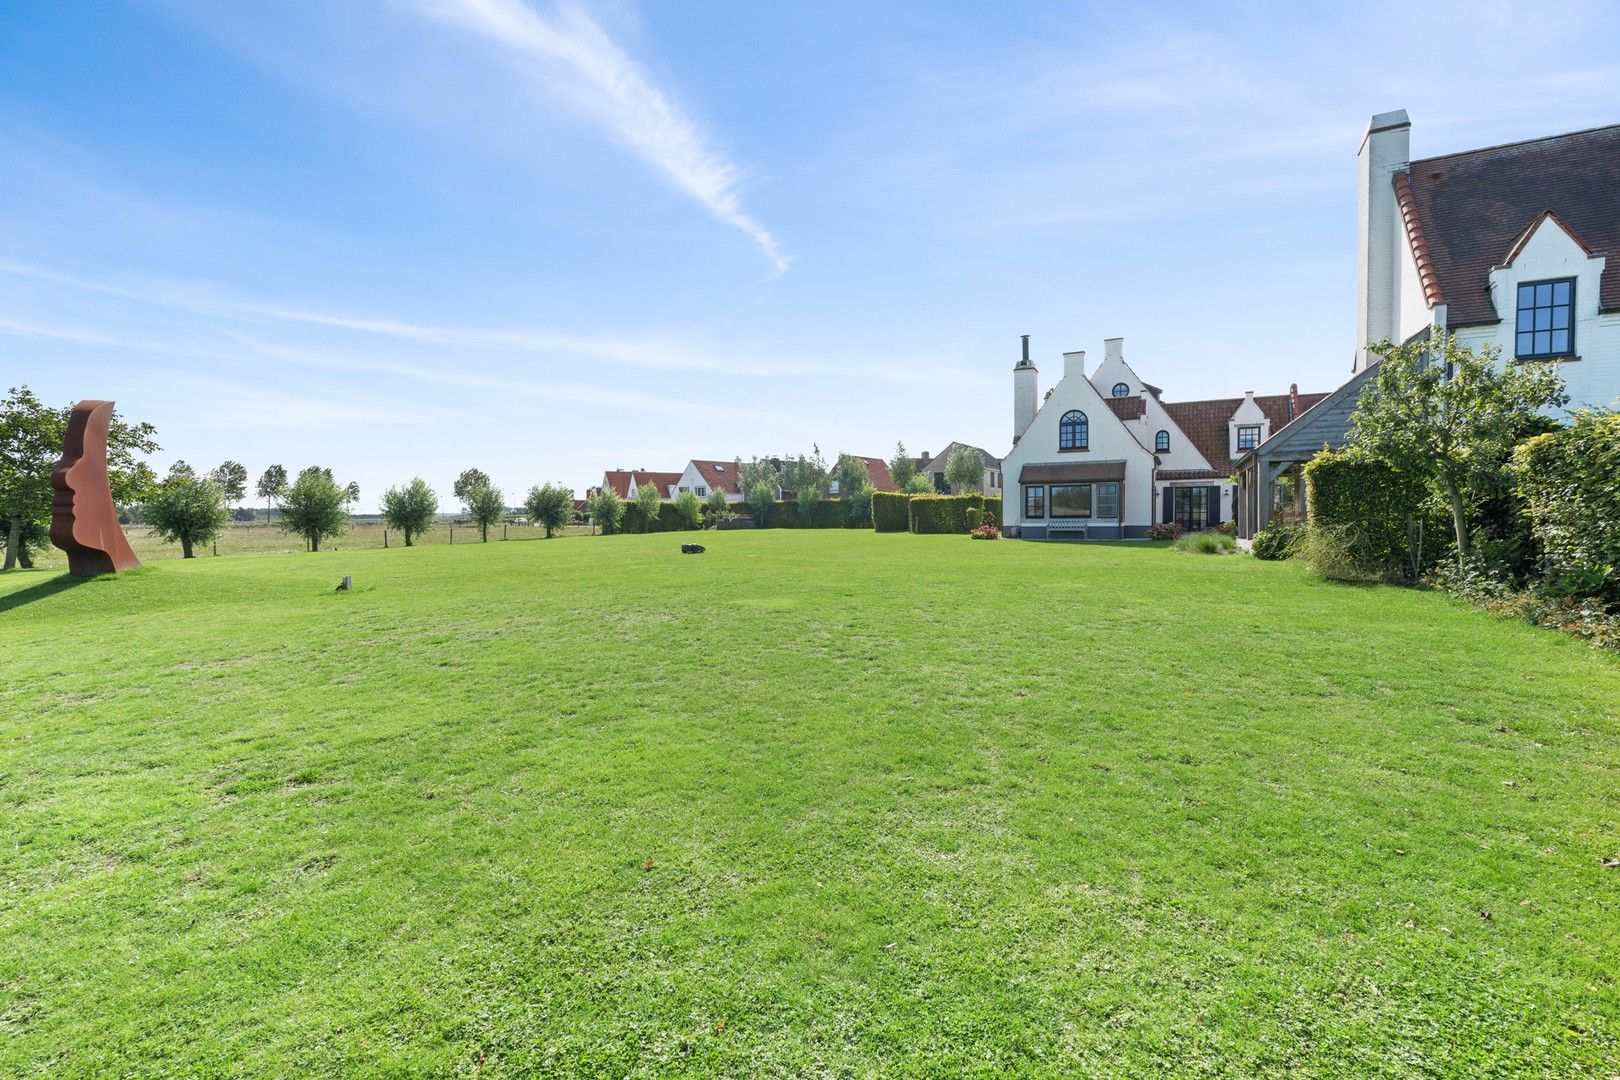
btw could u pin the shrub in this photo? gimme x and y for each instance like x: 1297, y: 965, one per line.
x: 1165, y: 530
x: 987, y: 531
x: 1274, y: 543
x: 1208, y: 542
x: 606, y: 509
x: 946, y: 513
x: 1227, y: 527
x: 891, y: 511
x: 1338, y: 553
x: 1583, y: 617
x: 688, y: 510
x: 244, y: 513
x: 992, y: 509
x: 1372, y: 516
x: 1570, y: 483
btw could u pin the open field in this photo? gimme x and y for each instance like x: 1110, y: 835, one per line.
x: 814, y: 803
x: 264, y: 538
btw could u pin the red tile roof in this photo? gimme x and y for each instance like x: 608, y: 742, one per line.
x: 619, y: 481
x: 1127, y: 408
x: 1471, y: 208
x: 719, y: 475
x: 1205, y: 422
x: 877, y: 471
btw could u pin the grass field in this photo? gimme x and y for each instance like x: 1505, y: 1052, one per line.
x: 819, y: 803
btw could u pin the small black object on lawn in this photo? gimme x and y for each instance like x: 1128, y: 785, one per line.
x: 691, y: 549
x: 345, y: 585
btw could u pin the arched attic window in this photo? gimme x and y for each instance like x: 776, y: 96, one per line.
x: 1161, y: 441
x: 1074, y: 432
x: 1122, y: 389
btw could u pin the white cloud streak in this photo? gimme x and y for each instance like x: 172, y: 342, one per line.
x: 606, y: 83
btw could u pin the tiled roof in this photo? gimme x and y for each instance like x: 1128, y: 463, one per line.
x: 1127, y: 408
x: 990, y: 460
x: 1191, y: 474
x: 619, y: 481
x: 1072, y: 472
x: 1205, y: 422
x: 1471, y: 208
x: 663, y: 481
x: 877, y: 471
x: 719, y: 475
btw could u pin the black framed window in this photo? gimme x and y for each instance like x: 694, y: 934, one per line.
x: 1161, y: 441
x: 1546, y: 319
x: 1122, y: 389
x: 1248, y: 436
x: 1074, y: 431
x: 1034, y: 500
x: 1192, y: 509
x: 701, y: 492
x: 1108, y: 500
x: 1071, y: 500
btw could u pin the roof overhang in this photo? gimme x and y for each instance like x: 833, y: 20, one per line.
x: 1079, y: 472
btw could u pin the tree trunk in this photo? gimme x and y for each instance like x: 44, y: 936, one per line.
x: 407, y: 538
x: 314, y: 543
x: 1459, y: 519
x: 13, y: 542
x: 185, y: 547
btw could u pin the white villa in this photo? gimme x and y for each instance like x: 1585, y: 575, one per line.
x: 1104, y: 457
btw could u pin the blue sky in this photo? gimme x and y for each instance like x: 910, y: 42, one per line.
x: 405, y: 237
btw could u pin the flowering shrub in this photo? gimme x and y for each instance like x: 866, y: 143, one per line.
x: 1165, y: 530
x: 987, y: 531
x: 1227, y: 527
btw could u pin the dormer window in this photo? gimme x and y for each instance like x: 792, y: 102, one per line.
x: 1074, y: 433
x: 1248, y: 436
x: 1122, y: 389
x: 1546, y: 320
x: 1161, y: 441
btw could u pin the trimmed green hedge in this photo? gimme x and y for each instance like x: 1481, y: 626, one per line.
x: 667, y: 519
x: 1570, y: 483
x: 946, y: 513
x: 992, y: 509
x: 1378, y: 513
x: 825, y: 514
x: 891, y: 511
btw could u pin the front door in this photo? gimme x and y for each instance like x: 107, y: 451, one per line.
x: 1192, y: 509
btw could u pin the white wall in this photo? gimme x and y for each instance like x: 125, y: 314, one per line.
x: 1594, y: 379
x: 1386, y: 150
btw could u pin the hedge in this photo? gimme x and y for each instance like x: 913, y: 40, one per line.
x: 824, y: 514
x: 946, y: 513
x: 632, y: 520
x: 1378, y: 512
x: 992, y: 509
x: 891, y: 511
x: 1570, y: 483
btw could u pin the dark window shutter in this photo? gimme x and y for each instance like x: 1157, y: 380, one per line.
x: 1215, y: 505
x: 1169, y: 504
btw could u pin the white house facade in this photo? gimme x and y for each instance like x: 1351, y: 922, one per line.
x: 1506, y: 246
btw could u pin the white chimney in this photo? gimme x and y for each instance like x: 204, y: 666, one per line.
x: 1074, y: 363
x: 1386, y: 150
x: 1025, y: 393
x: 1113, y: 349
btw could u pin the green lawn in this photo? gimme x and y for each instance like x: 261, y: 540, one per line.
x: 810, y: 804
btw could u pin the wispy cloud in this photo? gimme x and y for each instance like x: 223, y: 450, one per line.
x: 605, y: 82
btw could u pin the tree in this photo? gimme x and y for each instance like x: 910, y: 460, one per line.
x: 181, y: 468
x: 902, y: 467
x: 351, y: 494
x: 647, y: 501
x: 964, y: 470
x: 188, y: 511
x: 760, y: 482
x: 806, y: 477
x: 31, y: 435
x: 689, y: 510
x: 410, y: 509
x: 606, y: 509
x: 550, y: 506
x: 918, y: 484
x: 859, y: 502
x: 716, y: 507
x: 272, y: 482
x: 313, y: 507
x: 486, y: 506
x: 231, y: 477
x: 469, y: 481
x: 1448, y: 418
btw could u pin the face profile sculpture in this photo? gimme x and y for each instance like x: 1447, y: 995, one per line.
x: 84, y: 522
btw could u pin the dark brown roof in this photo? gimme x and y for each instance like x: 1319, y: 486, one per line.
x: 1205, y: 422
x: 1469, y: 209
x: 1064, y: 472
x: 1191, y: 474
x: 1127, y: 408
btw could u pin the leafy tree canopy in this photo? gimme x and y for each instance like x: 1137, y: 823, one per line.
x: 468, y: 482
x: 550, y: 506
x: 313, y: 507
x: 187, y: 510
x: 410, y: 509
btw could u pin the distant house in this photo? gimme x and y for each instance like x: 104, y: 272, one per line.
x: 877, y: 475
x: 701, y: 477
x: 627, y: 483
x: 933, y: 467
x: 1504, y: 246
x: 1105, y: 457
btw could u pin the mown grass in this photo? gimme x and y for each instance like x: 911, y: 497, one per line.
x: 823, y: 803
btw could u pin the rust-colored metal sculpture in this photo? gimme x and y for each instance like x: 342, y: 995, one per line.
x: 84, y: 522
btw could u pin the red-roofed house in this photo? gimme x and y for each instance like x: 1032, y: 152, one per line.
x: 626, y: 483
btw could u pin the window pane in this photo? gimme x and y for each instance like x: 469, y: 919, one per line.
x: 1560, y: 292
x: 1035, y: 501
x: 1543, y: 318
x: 1543, y: 342
x: 1560, y: 341
x: 1560, y: 318
x: 1071, y: 500
x: 1108, y: 500
x: 1527, y: 344
x: 1527, y: 296
x: 1527, y: 318
x: 1544, y: 294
